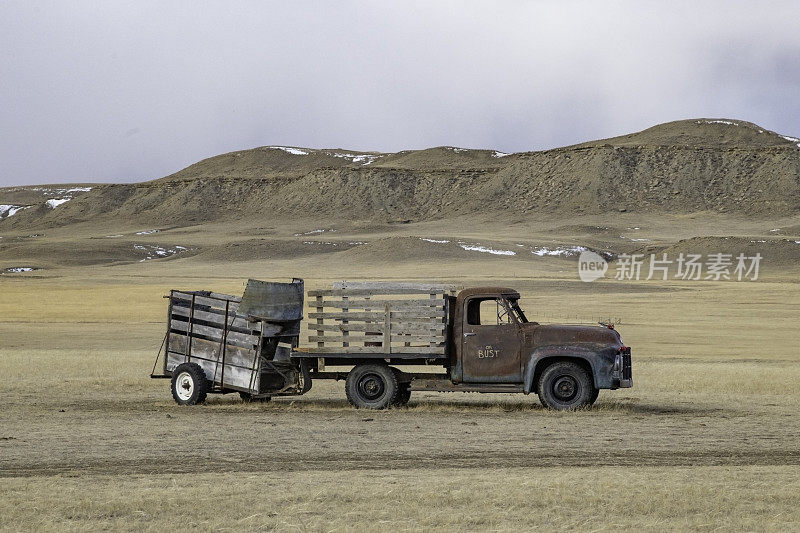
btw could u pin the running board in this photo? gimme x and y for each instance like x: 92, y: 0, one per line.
x: 445, y: 385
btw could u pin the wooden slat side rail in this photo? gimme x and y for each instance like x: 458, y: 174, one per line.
x: 215, y: 295
x: 215, y: 333
x: 318, y: 303
x: 209, y: 350
x: 426, y: 315
x: 387, y: 329
x: 433, y: 297
x: 400, y: 305
x: 373, y: 292
x: 368, y: 319
x: 345, y: 332
x: 437, y: 350
x: 379, y: 286
x: 228, y: 297
x: 393, y: 337
x: 240, y: 322
x: 397, y: 327
x: 204, y: 300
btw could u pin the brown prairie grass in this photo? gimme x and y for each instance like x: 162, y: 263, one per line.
x: 715, y: 368
x: 566, y: 498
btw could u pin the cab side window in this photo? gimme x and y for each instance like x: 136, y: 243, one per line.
x: 487, y: 312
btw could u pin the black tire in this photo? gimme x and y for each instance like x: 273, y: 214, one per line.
x: 595, y: 394
x: 248, y: 398
x: 189, y: 384
x: 403, y: 394
x: 565, y: 386
x: 403, y: 389
x: 371, y: 386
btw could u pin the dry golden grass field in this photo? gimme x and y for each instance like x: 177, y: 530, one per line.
x: 708, y: 439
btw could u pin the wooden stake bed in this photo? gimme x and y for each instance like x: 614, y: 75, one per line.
x: 379, y: 320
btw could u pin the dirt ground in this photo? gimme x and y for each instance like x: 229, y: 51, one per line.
x: 707, y: 439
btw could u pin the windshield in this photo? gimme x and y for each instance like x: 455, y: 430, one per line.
x: 518, y: 311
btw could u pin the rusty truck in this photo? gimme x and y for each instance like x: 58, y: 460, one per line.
x: 386, y: 341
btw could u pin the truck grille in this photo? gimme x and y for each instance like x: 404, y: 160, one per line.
x: 627, y: 370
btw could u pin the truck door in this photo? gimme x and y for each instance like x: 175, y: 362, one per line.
x: 491, y: 341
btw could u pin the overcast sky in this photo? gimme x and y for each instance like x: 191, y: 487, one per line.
x: 130, y: 91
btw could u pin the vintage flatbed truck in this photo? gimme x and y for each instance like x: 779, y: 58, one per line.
x: 372, y: 335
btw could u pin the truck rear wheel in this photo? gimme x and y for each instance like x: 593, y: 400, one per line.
x: 189, y: 384
x: 403, y: 394
x: 371, y: 386
x: 565, y: 386
x: 403, y: 388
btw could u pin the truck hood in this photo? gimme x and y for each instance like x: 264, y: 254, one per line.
x: 569, y: 334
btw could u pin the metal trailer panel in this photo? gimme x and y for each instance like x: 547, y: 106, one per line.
x: 273, y: 302
x: 200, y: 331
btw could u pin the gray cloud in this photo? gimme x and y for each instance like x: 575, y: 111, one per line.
x: 125, y: 91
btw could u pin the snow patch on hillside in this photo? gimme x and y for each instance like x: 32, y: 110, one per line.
x: 728, y: 122
x: 21, y: 269
x: 60, y: 191
x: 289, y: 150
x: 11, y: 210
x: 55, y: 202
x: 152, y: 251
x: 314, y: 231
x: 486, y: 250
x: 566, y: 251
x: 364, y: 159
x: 559, y: 251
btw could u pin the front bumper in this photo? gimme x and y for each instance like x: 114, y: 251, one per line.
x: 626, y: 380
x: 623, y: 371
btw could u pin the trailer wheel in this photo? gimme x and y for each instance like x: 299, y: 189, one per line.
x: 249, y: 398
x: 564, y: 386
x: 189, y: 384
x: 371, y: 386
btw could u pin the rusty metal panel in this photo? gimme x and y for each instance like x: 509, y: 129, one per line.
x: 272, y: 301
x: 492, y: 353
x: 491, y: 338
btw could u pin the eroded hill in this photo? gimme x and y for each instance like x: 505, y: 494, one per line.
x: 718, y: 165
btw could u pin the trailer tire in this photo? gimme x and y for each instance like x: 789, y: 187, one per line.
x: 189, y: 384
x: 249, y: 398
x: 565, y: 386
x: 371, y: 386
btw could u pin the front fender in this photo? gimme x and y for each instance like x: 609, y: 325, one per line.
x: 599, y: 358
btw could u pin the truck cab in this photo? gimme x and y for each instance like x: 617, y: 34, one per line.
x: 494, y: 343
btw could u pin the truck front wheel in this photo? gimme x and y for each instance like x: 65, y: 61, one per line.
x: 565, y: 386
x: 371, y: 386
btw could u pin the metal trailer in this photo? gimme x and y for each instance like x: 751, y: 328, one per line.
x: 219, y: 343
